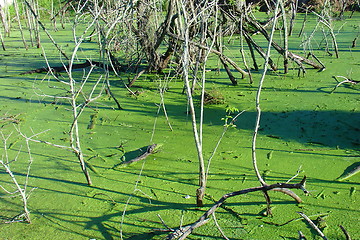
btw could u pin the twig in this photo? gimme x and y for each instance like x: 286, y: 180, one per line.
x: 301, y: 236
x: 347, y: 235
x: 219, y: 228
x: 312, y: 224
x: 296, y: 219
x: 129, y: 199
x: 163, y: 222
x: 225, y: 58
x: 31, y: 138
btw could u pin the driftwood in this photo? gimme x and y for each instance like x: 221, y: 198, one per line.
x: 347, y: 80
x: 183, y: 232
x: 150, y: 150
x: 349, y: 172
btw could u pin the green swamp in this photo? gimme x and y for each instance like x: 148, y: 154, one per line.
x: 302, y: 125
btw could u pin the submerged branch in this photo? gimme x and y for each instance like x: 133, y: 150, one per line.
x: 87, y: 63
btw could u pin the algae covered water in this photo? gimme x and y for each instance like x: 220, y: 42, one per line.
x: 305, y: 130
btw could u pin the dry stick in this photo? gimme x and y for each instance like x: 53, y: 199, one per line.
x: 203, y: 82
x: 161, y: 105
x: 313, y: 225
x: 186, y: 231
x: 41, y: 141
x: 218, y: 227
x: 252, y: 44
x: 45, y: 30
x: 226, y: 126
x: 16, y: 6
x: 294, y: 6
x: 129, y: 199
x: 347, y: 80
x: 304, y: 22
x: 200, y: 55
x: 294, y: 57
x: 74, y: 130
x: 347, y: 235
x: 331, y: 29
x: 242, y: 52
x: 111, y: 59
x: 202, y: 171
x: 318, y: 60
x: 301, y: 236
x: 22, y: 191
x: 296, y: 219
x: 251, y: 49
x: 136, y: 77
x: 115, y: 69
x: 227, y: 59
x: 36, y: 25
x: 226, y: 67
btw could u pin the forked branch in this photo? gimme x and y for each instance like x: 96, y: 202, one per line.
x: 183, y: 232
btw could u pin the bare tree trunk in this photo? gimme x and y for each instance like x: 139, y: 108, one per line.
x: 16, y: 6
x: 285, y: 30
x: 4, y: 20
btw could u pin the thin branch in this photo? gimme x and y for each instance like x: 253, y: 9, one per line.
x: 219, y: 228
x: 347, y: 235
x: 313, y: 225
x: 205, y: 217
x: 258, y: 108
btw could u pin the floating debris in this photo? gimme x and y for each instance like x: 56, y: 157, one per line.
x: 350, y: 171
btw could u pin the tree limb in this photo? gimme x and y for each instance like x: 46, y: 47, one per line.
x: 186, y: 231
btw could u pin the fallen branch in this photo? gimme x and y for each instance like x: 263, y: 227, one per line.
x: 219, y: 54
x: 294, y: 57
x: 182, y: 233
x: 64, y: 68
x: 347, y: 80
x: 349, y: 172
x: 150, y: 150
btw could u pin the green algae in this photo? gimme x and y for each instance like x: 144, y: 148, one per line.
x: 302, y: 125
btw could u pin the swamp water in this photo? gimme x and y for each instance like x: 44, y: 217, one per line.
x: 302, y: 125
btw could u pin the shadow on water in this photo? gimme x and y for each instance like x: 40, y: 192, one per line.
x: 321, y: 127
x: 327, y: 128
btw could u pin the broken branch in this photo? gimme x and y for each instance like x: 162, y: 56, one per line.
x: 186, y: 231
